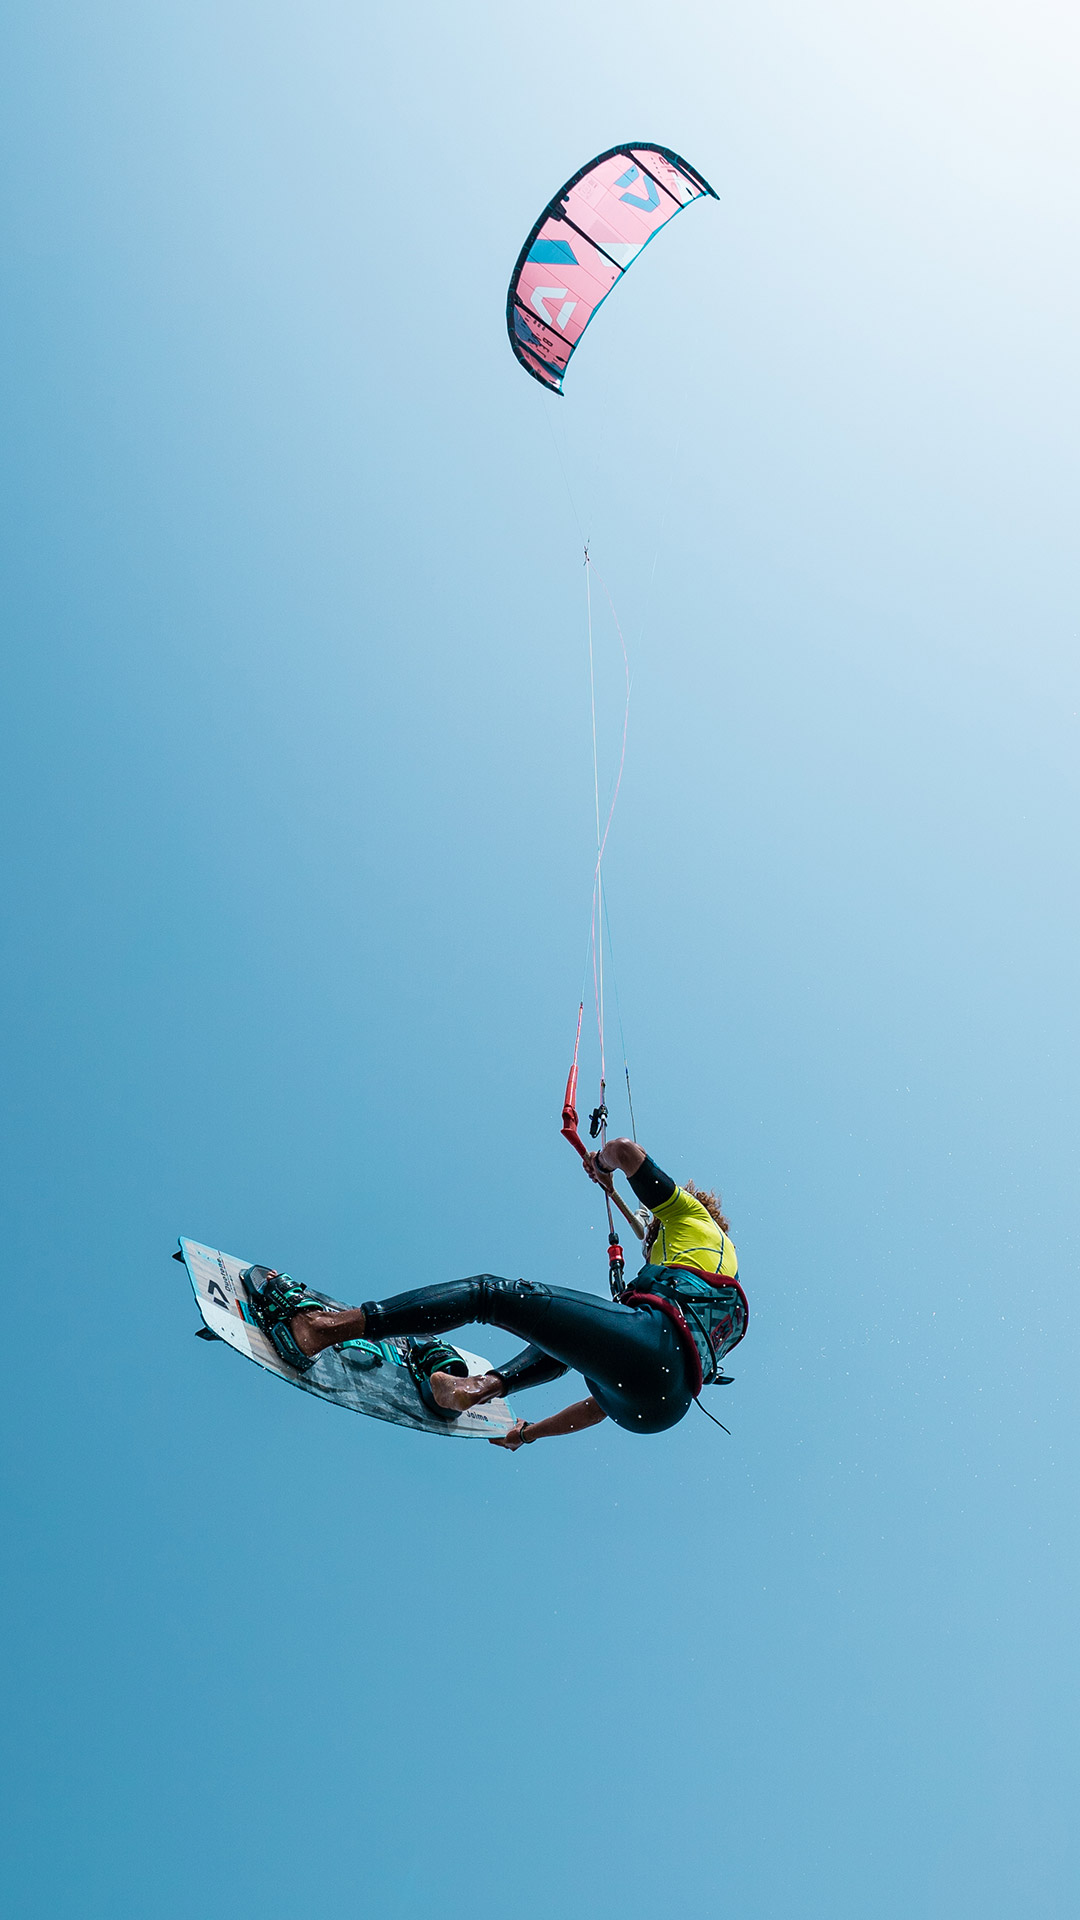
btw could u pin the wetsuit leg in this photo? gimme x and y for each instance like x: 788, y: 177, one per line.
x: 631, y: 1357
x: 532, y: 1367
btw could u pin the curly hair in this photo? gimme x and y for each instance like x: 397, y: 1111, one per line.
x: 711, y: 1203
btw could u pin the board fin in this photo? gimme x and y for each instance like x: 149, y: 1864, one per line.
x: 206, y: 1333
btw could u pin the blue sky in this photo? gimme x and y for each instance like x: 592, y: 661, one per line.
x: 298, y: 799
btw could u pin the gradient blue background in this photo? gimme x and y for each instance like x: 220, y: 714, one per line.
x: 297, y: 801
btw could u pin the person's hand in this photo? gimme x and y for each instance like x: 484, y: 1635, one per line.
x: 512, y: 1440
x: 601, y: 1175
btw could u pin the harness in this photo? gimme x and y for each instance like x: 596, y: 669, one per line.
x: 720, y: 1325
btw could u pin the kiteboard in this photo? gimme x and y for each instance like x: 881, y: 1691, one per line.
x: 364, y: 1375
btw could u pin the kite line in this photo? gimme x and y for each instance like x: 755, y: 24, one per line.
x: 598, y: 1119
x: 576, y: 253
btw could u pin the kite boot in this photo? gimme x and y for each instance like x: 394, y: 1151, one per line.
x: 274, y: 1298
x: 425, y: 1357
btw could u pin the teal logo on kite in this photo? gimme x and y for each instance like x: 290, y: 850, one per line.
x: 627, y: 180
x: 553, y: 253
x: 542, y: 294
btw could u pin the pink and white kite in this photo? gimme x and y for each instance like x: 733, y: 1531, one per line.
x: 583, y: 242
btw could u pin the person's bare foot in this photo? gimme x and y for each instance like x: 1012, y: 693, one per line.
x: 313, y: 1328
x: 314, y: 1331
x: 457, y: 1394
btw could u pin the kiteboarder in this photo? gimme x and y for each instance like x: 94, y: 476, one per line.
x: 645, y: 1356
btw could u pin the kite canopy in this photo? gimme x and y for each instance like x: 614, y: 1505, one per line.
x: 583, y: 242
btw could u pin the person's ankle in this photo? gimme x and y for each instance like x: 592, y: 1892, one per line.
x: 480, y: 1387
x: 305, y: 1334
x: 445, y: 1387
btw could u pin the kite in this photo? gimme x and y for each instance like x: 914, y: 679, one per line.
x: 583, y: 243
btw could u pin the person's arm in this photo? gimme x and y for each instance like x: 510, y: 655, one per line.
x: 650, y: 1183
x: 583, y: 1413
x: 619, y: 1156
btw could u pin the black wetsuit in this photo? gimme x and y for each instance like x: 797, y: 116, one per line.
x: 635, y: 1363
